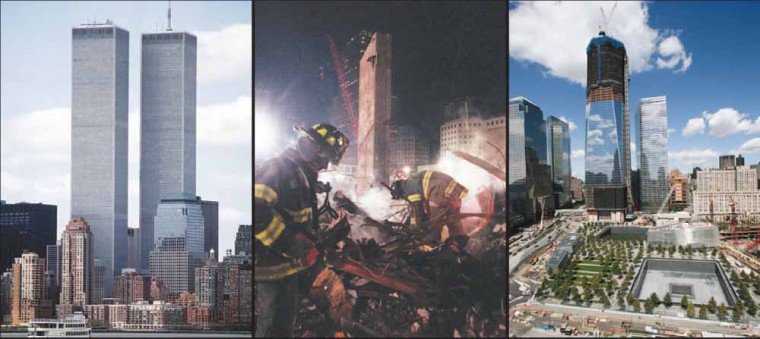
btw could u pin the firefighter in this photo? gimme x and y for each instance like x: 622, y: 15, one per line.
x: 286, y: 224
x: 434, y: 197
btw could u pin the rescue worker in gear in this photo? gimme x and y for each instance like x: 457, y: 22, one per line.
x: 435, y: 197
x: 285, y: 226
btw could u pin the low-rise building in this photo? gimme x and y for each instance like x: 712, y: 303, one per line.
x: 559, y: 260
x: 570, y: 242
x: 156, y: 316
x: 696, y: 235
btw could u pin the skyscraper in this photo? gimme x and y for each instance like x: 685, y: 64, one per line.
x: 167, y: 128
x: 178, y: 242
x: 210, y: 211
x: 25, y: 226
x: 133, y: 247
x: 99, y: 120
x: 29, y: 299
x: 608, y: 158
x: 558, y: 155
x: 653, y: 153
x: 77, y: 263
x: 244, y: 239
x: 739, y: 160
x: 529, y: 173
x: 727, y: 162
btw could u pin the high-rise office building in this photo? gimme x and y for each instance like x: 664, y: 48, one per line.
x: 133, y: 248
x: 209, y: 286
x: 77, y: 263
x: 168, y: 124
x: 178, y: 242
x: 99, y: 120
x: 529, y: 173
x: 6, y: 297
x: 98, y: 288
x: 608, y: 157
x: 653, y: 153
x: 727, y: 162
x: 25, y: 226
x: 210, y: 211
x: 244, y: 239
x: 29, y: 299
x: 53, y: 261
x: 739, y: 160
x: 558, y: 157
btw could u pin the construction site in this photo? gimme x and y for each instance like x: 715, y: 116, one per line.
x: 403, y: 270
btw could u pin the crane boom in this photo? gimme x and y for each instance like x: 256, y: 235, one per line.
x: 667, y: 198
x: 347, y: 100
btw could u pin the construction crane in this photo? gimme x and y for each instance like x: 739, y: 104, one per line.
x: 754, y: 243
x: 733, y: 221
x: 667, y: 198
x: 347, y: 100
x: 607, y: 19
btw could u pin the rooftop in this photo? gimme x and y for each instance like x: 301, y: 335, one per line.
x: 604, y: 39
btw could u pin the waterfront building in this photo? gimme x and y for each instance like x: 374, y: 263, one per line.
x: 210, y: 211
x: 25, y: 226
x: 29, y: 299
x: 131, y: 287
x: 168, y: 124
x: 244, y: 240
x: 77, y: 264
x: 653, y: 152
x: 99, y: 154
x: 178, y: 241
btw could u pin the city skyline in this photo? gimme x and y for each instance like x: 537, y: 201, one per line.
x: 36, y: 101
x: 671, y: 53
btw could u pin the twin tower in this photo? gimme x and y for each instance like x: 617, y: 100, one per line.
x: 100, y: 125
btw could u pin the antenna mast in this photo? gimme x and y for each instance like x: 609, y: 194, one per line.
x: 169, y: 17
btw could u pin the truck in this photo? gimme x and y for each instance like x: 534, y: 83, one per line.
x: 533, y: 260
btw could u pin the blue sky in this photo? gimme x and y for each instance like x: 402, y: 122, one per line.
x: 36, y: 100
x: 703, y: 56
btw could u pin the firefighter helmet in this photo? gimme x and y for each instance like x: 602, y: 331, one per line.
x: 330, y: 140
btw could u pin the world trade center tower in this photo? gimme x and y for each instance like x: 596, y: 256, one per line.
x: 99, y: 123
x: 167, y: 128
x: 608, y: 158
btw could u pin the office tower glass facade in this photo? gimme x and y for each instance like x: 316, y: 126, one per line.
x: 99, y: 120
x: 529, y: 173
x: 558, y: 155
x: 178, y: 242
x: 210, y: 211
x: 168, y: 124
x: 653, y: 154
x: 608, y: 173
x: 25, y: 226
x: 244, y: 239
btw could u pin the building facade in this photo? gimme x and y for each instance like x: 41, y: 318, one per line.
x: 696, y: 235
x: 577, y: 188
x: 178, y: 242
x: 739, y: 160
x: 29, y: 298
x: 481, y: 137
x: 608, y: 159
x: 25, y: 226
x: 209, y: 288
x: 133, y: 248
x: 168, y: 124
x: 131, y: 287
x: 679, y: 199
x: 98, y: 281
x: 653, y: 153
x: 727, y: 162
x: 210, y: 211
x: 244, y: 240
x: 6, y: 296
x: 408, y: 148
x: 529, y: 172
x: 716, y: 189
x: 558, y: 157
x: 77, y: 263
x: 99, y: 120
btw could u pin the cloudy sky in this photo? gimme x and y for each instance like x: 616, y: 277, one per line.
x: 36, y: 100
x: 701, y: 55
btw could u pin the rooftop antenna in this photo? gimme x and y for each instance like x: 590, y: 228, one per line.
x: 169, y: 17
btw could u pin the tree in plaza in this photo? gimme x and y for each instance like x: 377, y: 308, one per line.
x: 604, y: 300
x: 680, y: 249
x: 751, y: 307
x: 629, y: 298
x: 703, y: 312
x: 655, y: 299
x: 666, y: 300
x: 649, y: 305
x: 690, y: 311
x: 738, y: 312
x: 588, y: 296
x: 578, y: 298
x: 722, y: 311
x: 712, y: 306
x: 637, y: 306
x: 714, y: 252
x: 684, y: 302
x: 621, y: 301
x: 734, y: 277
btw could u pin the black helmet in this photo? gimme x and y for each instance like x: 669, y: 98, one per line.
x: 330, y: 140
x: 397, y: 191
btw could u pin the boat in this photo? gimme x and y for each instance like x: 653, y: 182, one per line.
x: 73, y: 326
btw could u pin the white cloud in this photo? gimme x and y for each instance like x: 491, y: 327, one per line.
x: 226, y: 124
x: 727, y: 121
x: 535, y: 27
x: 671, y: 131
x: 570, y: 124
x: 693, y: 127
x: 633, y: 147
x: 672, y: 49
x: 578, y: 153
x: 694, y: 156
x: 225, y: 54
x: 751, y: 146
